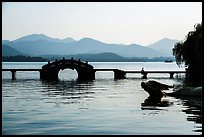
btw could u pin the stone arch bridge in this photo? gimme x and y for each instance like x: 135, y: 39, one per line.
x: 50, y: 71
x: 85, y: 71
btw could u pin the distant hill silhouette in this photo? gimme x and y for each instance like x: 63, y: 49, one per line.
x: 107, y: 57
x: 164, y: 45
x: 43, y: 37
x: 40, y: 44
x: 104, y: 57
x: 9, y: 51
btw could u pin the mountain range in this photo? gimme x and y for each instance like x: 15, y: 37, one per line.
x: 165, y: 45
x: 40, y: 44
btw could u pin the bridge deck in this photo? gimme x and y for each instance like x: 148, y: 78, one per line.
x: 128, y: 71
x: 156, y: 71
x: 117, y: 72
x: 84, y: 70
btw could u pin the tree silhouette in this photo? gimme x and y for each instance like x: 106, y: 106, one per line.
x: 190, y: 52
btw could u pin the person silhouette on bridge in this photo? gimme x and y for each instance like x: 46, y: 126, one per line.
x: 143, y: 73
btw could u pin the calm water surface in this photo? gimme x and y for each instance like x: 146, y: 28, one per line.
x: 101, y: 106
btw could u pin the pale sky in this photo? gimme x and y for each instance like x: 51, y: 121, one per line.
x: 111, y: 22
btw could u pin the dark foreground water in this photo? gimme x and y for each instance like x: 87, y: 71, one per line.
x: 101, y: 106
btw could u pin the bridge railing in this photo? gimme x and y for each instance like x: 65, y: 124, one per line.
x: 71, y: 62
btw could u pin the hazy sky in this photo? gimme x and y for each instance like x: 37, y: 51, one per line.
x: 111, y: 22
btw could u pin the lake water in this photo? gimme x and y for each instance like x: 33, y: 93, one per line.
x: 101, y: 106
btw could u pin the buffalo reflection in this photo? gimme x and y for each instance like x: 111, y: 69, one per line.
x: 192, y: 107
x: 154, y: 103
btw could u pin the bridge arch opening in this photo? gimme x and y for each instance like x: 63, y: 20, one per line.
x: 68, y: 74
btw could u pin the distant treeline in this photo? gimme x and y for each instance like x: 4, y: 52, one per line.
x: 20, y: 58
x: 103, y: 57
x: 160, y: 59
x: 108, y: 57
